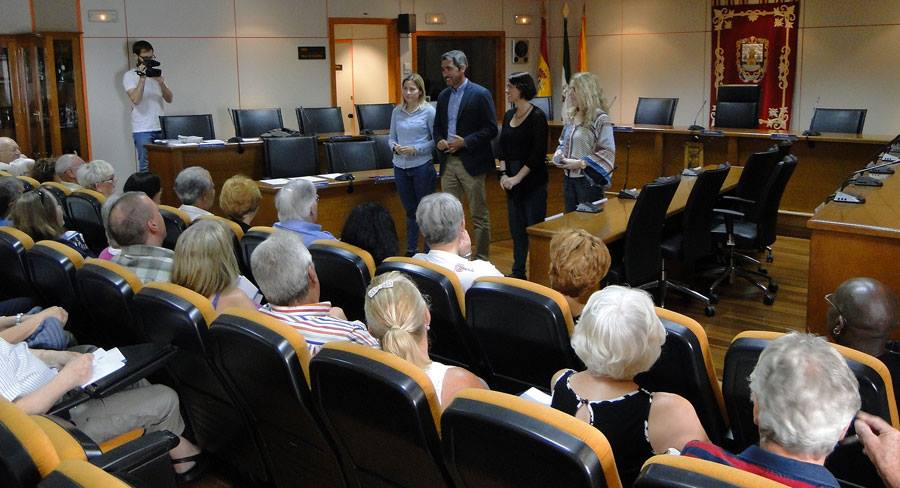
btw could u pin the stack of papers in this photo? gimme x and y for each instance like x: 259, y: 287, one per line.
x: 105, y: 363
x: 537, y: 396
x: 276, y: 181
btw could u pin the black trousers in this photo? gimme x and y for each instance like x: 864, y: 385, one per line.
x: 524, y: 209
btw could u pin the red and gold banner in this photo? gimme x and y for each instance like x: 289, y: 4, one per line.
x: 755, y: 42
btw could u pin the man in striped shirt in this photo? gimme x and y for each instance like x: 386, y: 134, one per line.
x: 287, y: 277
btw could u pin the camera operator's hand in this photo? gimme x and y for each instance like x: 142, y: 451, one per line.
x: 141, y: 70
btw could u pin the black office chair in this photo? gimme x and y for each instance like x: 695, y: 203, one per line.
x: 384, y: 156
x: 641, y: 264
x: 84, y: 209
x: 756, y: 173
x: 253, y: 122
x: 349, y: 156
x: 173, y: 126
x: 737, y: 106
x: 845, y: 120
x: 374, y: 116
x: 320, y: 120
x: 655, y: 111
x: 545, y: 104
x: 288, y: 157
x: 752, y: 229
x: 694, y: 240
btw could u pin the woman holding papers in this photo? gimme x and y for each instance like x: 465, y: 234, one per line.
x: 412, y: 141
x: 523, y: 153
x: 587, y: 151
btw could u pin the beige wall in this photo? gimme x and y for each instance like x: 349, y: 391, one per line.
x: 242, y: 53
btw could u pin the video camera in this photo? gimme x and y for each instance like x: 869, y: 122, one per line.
x: 151, y: 70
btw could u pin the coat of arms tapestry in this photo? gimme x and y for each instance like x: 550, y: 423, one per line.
x: 755, y: 42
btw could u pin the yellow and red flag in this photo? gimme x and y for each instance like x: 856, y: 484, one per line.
x: 582, y: 43
x: 545, y: 84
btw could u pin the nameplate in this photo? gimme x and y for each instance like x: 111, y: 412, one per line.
x: 623, y: 128
x: 310, y: 52
x: 783, y: 137
x: 712, y: 133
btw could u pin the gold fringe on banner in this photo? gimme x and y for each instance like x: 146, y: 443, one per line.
x: 735, y: 3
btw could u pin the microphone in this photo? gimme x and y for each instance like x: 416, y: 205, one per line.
x: 841, y: 196
x: 694, y: 126
x: 810, y: 132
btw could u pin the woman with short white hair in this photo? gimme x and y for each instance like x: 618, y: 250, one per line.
x: 98, y: 175
x: 618, y: 337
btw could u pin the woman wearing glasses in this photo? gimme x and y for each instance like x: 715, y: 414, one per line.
x: 98, y: 175
x: 38, y: 214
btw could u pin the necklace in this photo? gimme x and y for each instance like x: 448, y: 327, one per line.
x: 518, y: 118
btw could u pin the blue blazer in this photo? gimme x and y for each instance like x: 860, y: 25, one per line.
x: 476, y: 123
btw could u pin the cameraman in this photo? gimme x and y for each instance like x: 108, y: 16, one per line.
x: 147, y: 98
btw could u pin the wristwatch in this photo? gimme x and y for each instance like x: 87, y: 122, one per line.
x: 19, y: 318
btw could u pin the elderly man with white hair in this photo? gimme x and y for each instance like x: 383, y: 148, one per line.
x: 98, y: 175
x: 67, y: 170
x: 442, y: 221
x: 286, y: 275
x: 11, y: 158
x: 298, y: 209
x: 804, y: 398
x: 196, y: 191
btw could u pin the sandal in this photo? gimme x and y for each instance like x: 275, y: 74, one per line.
x: 201, y: 461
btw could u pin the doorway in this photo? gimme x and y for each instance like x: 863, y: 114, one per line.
x: 365, y: 65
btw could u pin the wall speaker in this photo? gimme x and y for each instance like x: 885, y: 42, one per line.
x: 520, y: 51
x: 406, y: 23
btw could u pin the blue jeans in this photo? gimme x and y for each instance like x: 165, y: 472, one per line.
x: 141, y: 138
x: 414, y: 184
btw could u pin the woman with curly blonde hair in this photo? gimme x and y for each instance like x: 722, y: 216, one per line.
x: 587, y: 150
x: 578, y: 262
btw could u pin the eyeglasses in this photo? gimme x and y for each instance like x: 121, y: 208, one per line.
x: 841, y: 323
x: 111, y: 179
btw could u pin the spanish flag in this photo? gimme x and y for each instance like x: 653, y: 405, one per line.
x: 545, y: 84
x: 582, y: 43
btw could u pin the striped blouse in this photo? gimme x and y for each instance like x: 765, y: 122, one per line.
x: 318, y: 327
x: 593, y: 144
x: 21, y: 372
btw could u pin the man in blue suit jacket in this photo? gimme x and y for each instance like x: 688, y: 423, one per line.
x: 464, y: 126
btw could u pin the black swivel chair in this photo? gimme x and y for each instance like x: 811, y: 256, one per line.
x: 848, y: 121
x: 757, y: 169
x: 737, y: 106
x: 384, y: 156
x: 374, y: 116
x: 349, y: 156
x: 173, y: 126
x: 752, y: 229
x: 694, y: 240
x: 288, y: 157
x: 320, y: 120
x: 641, y: 264
x: 545, y: 104
x: 655, y: 111
x: 253, y: 122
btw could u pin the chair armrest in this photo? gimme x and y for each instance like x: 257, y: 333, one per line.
x: 733, y: 214
x: 142, y: 360
x: 733, y: 198
x: 137, y: 452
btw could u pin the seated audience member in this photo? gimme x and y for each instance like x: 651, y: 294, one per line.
x: 369, y: 226
x: 298, y: 209
x: 98, y: 175
x: 862, y: 315
x: 40, y: 330
x: 618, y: 337
x: 67, y: 169
x: 38, y: 214
x: 113, y: 248
x: 398, y: 316
x: 578, y: 262
x: 146, y: 182
x: 12, y: 160
x: 441, y: 220
x: 287, y: 277
x: 240, y: 200
x: 804, y: 398
x: 136, y: 225
x: 36, y: 379
x: 205, y: 263
x: 44, y: 170
x: 881, y: 443
x: 195, y: 189
x: 10, y: 191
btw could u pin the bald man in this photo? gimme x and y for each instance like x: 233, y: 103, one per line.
x: 136, y: 225
x: 12, y: 159
x: 862, y: 315
x: 66, y: 167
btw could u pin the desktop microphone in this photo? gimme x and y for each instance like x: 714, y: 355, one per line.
x: 810, y: 132
x: 694, y: 126
x: 841, y: 196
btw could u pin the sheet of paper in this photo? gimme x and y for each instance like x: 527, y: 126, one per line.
x: 249, y: 289
x: 331, y: 176
x: 250, y: 139
x: 312, y: 179
x: 276, y: 181
x: 105, y: 363
x: 534, y: 395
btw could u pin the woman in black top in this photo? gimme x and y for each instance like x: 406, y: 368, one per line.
x: 522, y: 153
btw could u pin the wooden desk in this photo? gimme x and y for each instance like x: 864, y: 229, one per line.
x: 608, y: 225
x: 652, y: 151
x: 335, y: 203
x: 851, y: 240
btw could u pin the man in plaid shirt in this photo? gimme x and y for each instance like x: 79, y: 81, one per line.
x: 136, y: 225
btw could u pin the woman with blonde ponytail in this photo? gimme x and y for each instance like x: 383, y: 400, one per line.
x: 398, y: 317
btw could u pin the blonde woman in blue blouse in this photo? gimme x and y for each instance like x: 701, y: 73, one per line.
x: 587, y: 150
x: 412, y: 141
